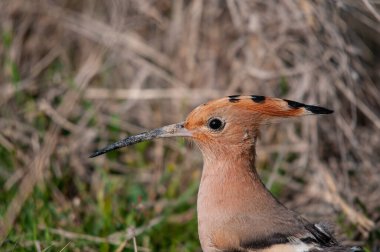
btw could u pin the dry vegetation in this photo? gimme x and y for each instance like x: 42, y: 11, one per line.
x: 77, y: 75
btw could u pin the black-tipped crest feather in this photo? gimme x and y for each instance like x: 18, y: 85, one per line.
x: 311, y: 108
x: 258, y: 98
x: 234, y: 98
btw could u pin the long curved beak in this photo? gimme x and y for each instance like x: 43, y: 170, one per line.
x: 172, y: 130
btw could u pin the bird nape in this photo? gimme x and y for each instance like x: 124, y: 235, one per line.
x: 235, y: 210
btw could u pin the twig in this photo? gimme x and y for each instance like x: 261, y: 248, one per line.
x: 193, y: 38
x: 45, y: 107
x: 37, y: 245
x: 121, y: 235
x: 372, y: 9
x: 235, y: 16
x: 134, y: 244
x: 65, y: 246
x: 358, y: 102
x: 334, y: 197
x: 148, y: 94
x: 263, y: 74
x: 107, y: 35
x: 114, y: 240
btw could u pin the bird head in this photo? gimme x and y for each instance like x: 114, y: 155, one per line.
x: 225, y: 123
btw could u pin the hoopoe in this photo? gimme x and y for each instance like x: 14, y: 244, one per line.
x: 236, y: 212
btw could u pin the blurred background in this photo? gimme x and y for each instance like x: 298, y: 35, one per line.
x: 78, y: 75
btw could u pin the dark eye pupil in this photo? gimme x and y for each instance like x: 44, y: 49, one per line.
x: 215, y: 124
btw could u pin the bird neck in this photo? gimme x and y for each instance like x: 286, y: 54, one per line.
x: 230, y: 189
x: 231, y: 176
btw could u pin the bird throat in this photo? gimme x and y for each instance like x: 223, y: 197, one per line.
x: 232, y: 200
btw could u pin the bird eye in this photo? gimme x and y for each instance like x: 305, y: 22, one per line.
x: 215, y: 124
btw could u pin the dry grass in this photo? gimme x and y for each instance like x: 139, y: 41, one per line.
x: 76, y: 75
